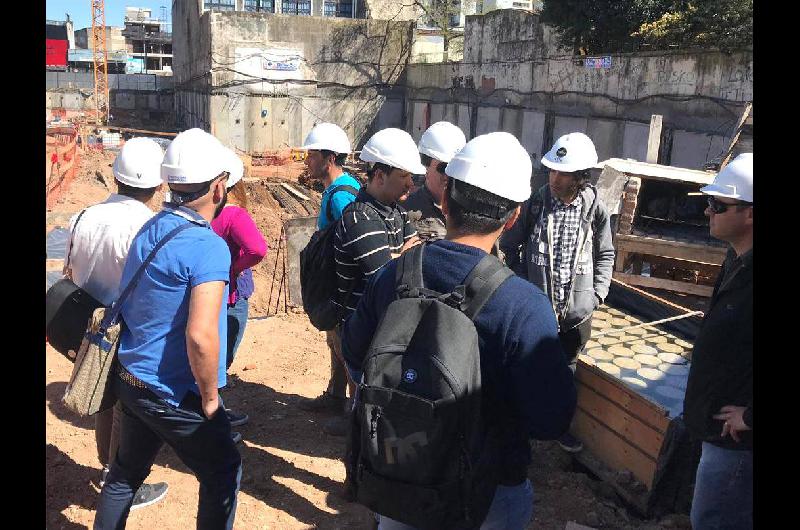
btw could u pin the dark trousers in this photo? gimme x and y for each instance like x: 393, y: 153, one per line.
x: 204, y: 445
x: 106, y: 434
x: 574, y: 340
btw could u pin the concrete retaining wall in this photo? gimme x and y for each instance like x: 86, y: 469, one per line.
x: 265, y: 80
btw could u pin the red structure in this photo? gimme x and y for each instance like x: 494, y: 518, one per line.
x: 56, y: 46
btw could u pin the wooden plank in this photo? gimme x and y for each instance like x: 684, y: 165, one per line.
x: 621, y: 257
x: 294, y: 192
x: 654, y: 139
x: 747, y: 110
x: 612, y: 449
x: 670, y: 285
x: 143, y: 131
x: 671, y: 249
x: 616, y: 391
x: 54, y: 265
x: 636, y: 432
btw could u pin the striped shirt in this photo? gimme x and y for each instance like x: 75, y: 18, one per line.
x: 368, y: 233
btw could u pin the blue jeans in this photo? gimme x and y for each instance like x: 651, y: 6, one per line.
x: 204, y: 445
x: 237, y: 321
x: 511, y: 509
x: 723, y: 490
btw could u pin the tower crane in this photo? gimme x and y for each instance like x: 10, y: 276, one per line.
x: 100, y: 60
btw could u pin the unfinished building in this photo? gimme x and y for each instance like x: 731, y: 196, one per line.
x: 261, y: 81
x: 148, y: 42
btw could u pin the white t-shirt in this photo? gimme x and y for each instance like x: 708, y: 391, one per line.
x: 101, y: 243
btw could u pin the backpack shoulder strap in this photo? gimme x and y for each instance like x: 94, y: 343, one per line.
x: 72, y: 236
x: 482, y: 282
x: 344, y: 187
x: 408, y: 275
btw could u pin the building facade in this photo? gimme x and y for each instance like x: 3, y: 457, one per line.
x: 148, y: 42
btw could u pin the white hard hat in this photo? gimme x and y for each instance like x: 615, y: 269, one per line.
x: 572, y: 152
x: 442, y: 141
x: 194, y: 157
x: 235, y: 167
x: 138, y: 163
x: 327, y: 136
x: 735, y: 181
x: 495, y: 162
x: 395, y: 148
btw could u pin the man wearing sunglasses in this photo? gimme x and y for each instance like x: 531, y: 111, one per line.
x: 718, y: 406
x: 437, y: 146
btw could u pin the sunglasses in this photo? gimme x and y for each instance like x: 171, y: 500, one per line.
x: 719, y: 207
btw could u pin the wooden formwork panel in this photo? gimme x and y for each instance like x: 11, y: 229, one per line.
x: 619, y: 426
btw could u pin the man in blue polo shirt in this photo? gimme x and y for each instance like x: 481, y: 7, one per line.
x: 171, y: 359
x: 327, y: 147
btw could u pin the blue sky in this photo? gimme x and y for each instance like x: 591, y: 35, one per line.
x: 81, y: 15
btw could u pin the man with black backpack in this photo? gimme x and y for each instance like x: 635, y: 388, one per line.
x: 563, y: 245
x: 327, y: 147
x: 372, y: 230
x: 459, y: 364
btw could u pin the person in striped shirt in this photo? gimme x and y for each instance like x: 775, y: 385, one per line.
x: 374, y: 228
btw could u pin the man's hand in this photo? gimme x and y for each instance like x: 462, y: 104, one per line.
x: 734, y: 421
x: 414, y: 241
x: 211, y: 407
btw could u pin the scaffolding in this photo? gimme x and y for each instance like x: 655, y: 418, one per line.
x: 100, y: 60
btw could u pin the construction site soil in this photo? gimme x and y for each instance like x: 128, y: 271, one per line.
x: 292, y: 471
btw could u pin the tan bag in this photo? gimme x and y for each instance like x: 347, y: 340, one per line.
x: 89, y: 389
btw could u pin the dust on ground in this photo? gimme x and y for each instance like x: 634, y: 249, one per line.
x: 292, y: 471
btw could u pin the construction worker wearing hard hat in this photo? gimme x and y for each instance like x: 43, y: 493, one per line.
x: 327, y: 147
x: 527, y: 387
x: 437, y: 146
x: 100, y: 237
x: 718, y: 405
x: 562, y: 244
x: 172, y: 349
x: 374, y: 228
x: 247, y: 247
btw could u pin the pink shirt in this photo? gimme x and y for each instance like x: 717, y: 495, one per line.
x: 246, y: 244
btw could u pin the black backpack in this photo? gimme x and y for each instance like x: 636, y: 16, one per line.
x: 421, y: 451
x: 318, y: 272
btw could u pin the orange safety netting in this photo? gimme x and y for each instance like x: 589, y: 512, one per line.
x: 61, y: 162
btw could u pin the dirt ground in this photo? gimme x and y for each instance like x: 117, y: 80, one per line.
x: 292, y: 472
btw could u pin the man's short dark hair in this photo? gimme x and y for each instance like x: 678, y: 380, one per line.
x: 140, y: 194
x: 473, y: 222
x: 582, y: 177
x: 338, y: 158
x: 378, y: 165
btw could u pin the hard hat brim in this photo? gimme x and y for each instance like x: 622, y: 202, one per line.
x: 566, y: 168
x: 720, y: 191
x: 320, y: 147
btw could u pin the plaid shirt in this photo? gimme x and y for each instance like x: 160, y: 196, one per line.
x: 566, y: 221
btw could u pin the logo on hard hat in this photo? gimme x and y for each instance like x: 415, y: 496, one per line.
x: 139, y: 176
x: 562, y: 152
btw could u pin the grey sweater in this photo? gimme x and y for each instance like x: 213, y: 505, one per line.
x: 527, y: 252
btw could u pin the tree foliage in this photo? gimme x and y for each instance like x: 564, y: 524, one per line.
x: 444, y: 15
x: 724, y: 24
x: 598, y: 26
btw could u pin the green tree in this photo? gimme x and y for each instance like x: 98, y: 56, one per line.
x: 604, y: 26
x: 723, y: 24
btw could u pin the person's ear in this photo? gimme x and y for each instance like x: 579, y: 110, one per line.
x: 445, y: 203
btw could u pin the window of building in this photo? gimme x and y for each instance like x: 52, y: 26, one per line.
x: 220, y: 5
x: 267, y: 6
x: 338, y: 8
x: 296, y: 7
